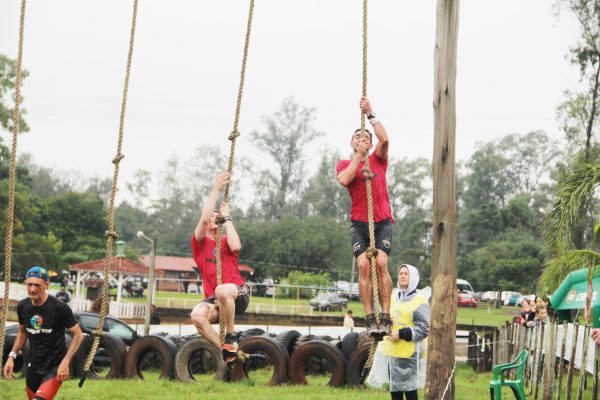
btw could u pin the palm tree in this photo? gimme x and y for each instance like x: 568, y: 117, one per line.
x: 578, y: 188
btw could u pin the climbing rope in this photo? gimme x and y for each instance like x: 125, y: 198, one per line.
x: 232, y: 137
x: 372, y: 250
x: 10, y: 217
x: 111, y: 235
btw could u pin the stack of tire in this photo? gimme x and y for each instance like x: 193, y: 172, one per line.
x: 291, y: 356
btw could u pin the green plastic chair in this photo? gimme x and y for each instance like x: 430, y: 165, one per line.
x: 516, y: 385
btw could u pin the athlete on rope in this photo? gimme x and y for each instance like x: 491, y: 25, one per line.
x: 231, y: 297
x: 43, y: 320
x: 350, y: 175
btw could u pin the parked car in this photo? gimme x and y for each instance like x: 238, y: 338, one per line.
x: 477, y: 295
x: 465, y: 299
x: 89, y: 322
x: 464, y: 286
x: 506, y: 297
x: 515, y: 299
x: 328, y: 301
x: 488, y: 296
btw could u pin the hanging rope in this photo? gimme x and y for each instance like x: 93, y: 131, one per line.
x: 372, y: 250
x: 10, y: 210
x: 232, y: 137
x: 111, y: 235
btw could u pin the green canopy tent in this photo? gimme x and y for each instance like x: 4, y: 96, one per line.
x: 572, y: 293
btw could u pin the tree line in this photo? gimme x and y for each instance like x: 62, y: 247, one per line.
x: 290, y: 220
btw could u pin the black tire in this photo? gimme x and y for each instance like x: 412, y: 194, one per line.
x: 198, y: 356
x: 354, y: 366
x: 142, y: 347
x: 249, y: 333
x: 320, y: 349
x: 349, y: 344
x: 272, y: 349
x: 111, y: 346
x: 288, y: 339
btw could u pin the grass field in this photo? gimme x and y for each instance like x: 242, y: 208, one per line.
x: 469, y: 386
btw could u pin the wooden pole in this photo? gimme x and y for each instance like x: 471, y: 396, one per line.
x: 440, y: 355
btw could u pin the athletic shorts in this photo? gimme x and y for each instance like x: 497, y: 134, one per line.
x: 241, y: 302
x: 360, y: 236
x: 43, y: 383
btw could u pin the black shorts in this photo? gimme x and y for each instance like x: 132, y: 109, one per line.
x: 241, y: 302
x: 34, y: 378
x: 360, y: 236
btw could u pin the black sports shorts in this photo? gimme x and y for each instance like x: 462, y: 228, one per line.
x: 360, y: 236
x: 241, y: 302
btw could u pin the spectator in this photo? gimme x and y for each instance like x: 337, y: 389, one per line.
x: 348, y: 320
x: 63, y: 296
x: 525, y: 308
x: 596, y: 336
x: 399, y: 360
x: 154, y: 317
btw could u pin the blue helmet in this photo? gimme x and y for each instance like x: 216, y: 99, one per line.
x: 37, y: 272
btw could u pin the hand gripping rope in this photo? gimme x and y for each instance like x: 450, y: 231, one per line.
x: 372, y: 251
x: 232, y: 137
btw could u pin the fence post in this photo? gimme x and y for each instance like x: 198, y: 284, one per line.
x: 595, y: 381
x: 561, y: 359
x: 549, y: 362
x: 572, y: 360
x: 487, y: 354
x: 584, y: 351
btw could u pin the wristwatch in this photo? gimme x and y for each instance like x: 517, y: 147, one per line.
x: 372, y: 116
x: 13, y: 355
x: 227, y: 218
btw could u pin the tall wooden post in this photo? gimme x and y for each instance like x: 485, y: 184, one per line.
x: 440, y: 355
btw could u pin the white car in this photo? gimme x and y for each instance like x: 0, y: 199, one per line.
x: 489, y: 296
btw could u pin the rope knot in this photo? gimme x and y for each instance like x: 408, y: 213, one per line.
x: 367, y: 173
x: 98, y: 333
x: 234, y: 134
x: 118, y: 158
x: 112, y: 234
x: 372, y: 252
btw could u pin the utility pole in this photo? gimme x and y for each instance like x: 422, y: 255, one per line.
x: 442, y: 336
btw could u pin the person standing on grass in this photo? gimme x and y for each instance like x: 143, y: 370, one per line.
x: 43, y: 320
x: 399, y: 360
x: 350, y: 175
x: 231, y: 297
x: 348, y: 320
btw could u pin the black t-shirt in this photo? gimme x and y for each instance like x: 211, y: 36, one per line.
x: 45, y: 326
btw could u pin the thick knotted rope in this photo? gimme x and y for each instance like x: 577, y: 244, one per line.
x: 232, y: 137
x: 372, y: 251
x: 10, y: 216
x: 111, y: 234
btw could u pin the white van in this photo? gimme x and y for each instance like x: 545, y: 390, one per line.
x: 464, y: 286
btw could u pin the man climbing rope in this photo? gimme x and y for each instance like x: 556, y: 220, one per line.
x: 231, y: 297
x: 43, y: 320
x: 350, y: 175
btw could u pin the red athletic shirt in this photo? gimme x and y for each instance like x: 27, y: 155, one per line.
x: 204, y: 255
x: 358, y: 190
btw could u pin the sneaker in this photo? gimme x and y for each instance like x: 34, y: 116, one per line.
x: 229, y: 348
x: 371, y: 324
x: 385, y: 324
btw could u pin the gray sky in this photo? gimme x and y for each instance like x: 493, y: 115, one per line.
x: 511, y: 74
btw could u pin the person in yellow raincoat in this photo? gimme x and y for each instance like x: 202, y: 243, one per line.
x: 400, y: 357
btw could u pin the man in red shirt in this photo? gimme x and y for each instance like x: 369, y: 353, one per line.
x: 350, y: 175
x: 231, y: 297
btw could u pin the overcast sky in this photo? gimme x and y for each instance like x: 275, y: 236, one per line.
x: 511, y: 74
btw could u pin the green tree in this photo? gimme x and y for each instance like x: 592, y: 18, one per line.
x: 8, y: 76
x: 324, y: 196
x: 78, y: 220
x: 313, y: 244
x: 286, y: 133
x: 579, y: 112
